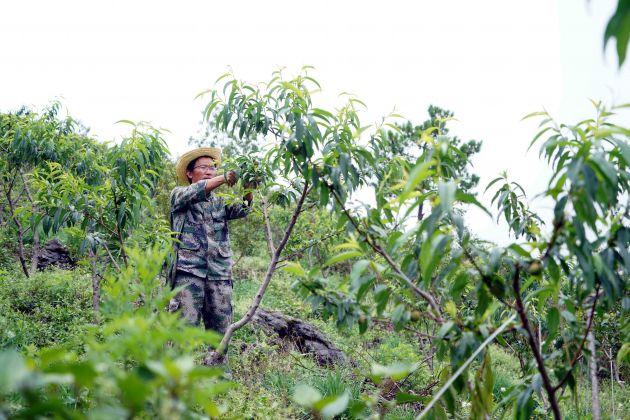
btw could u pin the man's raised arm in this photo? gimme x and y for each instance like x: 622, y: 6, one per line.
x: 198, y: 191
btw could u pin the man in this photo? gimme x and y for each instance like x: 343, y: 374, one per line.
x: 203, y: 263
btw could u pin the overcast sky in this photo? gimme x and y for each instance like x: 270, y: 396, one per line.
x: 491, y: 62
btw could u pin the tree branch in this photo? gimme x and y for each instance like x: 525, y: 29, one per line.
x: 578, y: 353
x: 222, y: 348
x: 268, y: 232
x: 311, y: 244
x: 8, y: 189
x: 553, y: 240
x: 423, y: 294
x: 520, y: 308
x: 111, y: 257
x: 35, y: 251
x: 483, y: 276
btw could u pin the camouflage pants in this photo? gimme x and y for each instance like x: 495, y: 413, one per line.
x: 202, y: 299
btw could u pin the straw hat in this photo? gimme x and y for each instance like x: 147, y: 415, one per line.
x: 186, y: 158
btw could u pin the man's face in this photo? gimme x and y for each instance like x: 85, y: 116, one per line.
x: 204, y: 168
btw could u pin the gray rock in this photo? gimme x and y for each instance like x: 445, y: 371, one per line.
x: 301, y: 335
x: 55, y: 253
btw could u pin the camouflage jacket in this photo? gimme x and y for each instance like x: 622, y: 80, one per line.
x: 199, y: 222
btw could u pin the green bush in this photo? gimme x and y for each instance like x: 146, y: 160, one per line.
x: 7, y: 253
x: 138, y: 363
x: 51, y: 307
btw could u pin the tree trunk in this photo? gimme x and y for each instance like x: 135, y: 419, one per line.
x: 221, y: 350
x: 20, y: 229
x: 268, y: 233
x: 534, y: 346
x: 36, y: 249
x: 592, y: 365
x: 420, y: 214
x: 96, y: 285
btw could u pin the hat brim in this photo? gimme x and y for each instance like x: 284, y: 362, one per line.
x: 182, y: 163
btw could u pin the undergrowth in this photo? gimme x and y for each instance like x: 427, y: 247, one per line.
x: 54, y: 307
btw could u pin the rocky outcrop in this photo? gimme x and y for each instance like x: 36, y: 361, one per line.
x: 302, y: 335
x: 54, y: 253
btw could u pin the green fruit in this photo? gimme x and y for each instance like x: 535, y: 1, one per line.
x: 535, y: 268
x: 294, y: 147
x: 415, y: 316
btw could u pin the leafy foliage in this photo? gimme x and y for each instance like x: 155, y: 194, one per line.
x: 111, y: 197
x: 401, y: 263
x: 465, y: 289
x: 137, y: 364
x: 619, y: 27
x: 46, y: 309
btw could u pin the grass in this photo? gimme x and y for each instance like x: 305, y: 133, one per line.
x: 266, y: 372
x: 258, y: 363
x: 52, y: 307
x: 273, y: 372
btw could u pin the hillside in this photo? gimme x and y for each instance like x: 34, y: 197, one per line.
x: 360, y: 231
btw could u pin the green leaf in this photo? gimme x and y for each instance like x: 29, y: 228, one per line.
x: 606, y: 169
x: 306, y: 395
x: 358, y: 268
x: 431, y: 254
x: 400, y: 316
x: 419, y: 173
x: 447, y: 190
x: 445, y: 328
x: 470, y: 199
x: 461, y: 280
x: 342, y: 257
x: 323, y: 194
x: 403, y: 397
x: 438, y: 413
x: 624, y: 148
x: 534, y: 114
x: 13, y: 371
x: 395, y: 371
x: 332, y: 406
x: 619, y: 27
x: 553, y: 321
x: 381, y: 297
x: 568, y: 316
x: 623, y: 356
x: 491, y: 183
x: 295, y: 268
x: 126, y: 122
x: 520, y: 251
x: 134, y: 391
x: 524, y: 405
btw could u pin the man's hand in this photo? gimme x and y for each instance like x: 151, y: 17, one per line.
x: 250, y: 185
x: 230, y: 178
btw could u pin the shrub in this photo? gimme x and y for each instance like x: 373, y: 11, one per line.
x: 138, y: 363
x: 51, y: 307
